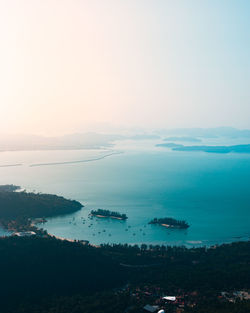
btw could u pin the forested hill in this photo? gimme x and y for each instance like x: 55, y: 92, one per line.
x: 42, y: 274
x: 50, y: 275
x: 26, y: 204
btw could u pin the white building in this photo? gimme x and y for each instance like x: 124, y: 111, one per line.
x: 170, y: 298
x: 25, y: 233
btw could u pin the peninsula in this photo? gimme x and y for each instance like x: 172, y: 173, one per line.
x: 170, y: 223
x: 110, y: 214
x: 18, y: 209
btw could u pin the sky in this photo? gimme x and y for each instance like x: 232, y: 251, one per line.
x: 69, y: 65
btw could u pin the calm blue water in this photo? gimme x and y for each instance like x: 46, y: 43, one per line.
x: 3, y: 232
x: 210, y: 191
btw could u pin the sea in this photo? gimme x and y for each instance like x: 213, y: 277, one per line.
x: 210, y: 191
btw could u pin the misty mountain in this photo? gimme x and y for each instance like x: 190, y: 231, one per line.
x: 207, y: 132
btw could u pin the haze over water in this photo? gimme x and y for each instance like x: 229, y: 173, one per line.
x: 128, y: 67
x: 210, y: 191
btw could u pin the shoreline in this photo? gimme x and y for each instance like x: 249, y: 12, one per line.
x: 114, y: 217
x: 188, y: 243
x: 172, y: 226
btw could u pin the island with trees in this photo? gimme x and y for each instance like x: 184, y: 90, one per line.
x: 107, y: 213
x: 170, y: 222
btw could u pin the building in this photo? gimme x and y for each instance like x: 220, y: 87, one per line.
x: 25, y: 233
x: 169, y: 298
x: 151, y: 308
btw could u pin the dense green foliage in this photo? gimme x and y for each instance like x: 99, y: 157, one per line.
x: 42, y: 274
x: 50, y: 275
x: 31, y: 268
x: 23, y: 204
x: 170, y: 221
x: 221, y: 307
x: 108, y: 213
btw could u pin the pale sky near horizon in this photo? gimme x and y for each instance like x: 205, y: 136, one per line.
x: 70, y: 64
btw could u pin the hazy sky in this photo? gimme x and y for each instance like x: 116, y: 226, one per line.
x: 65, y: 65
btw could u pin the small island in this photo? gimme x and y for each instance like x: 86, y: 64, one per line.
x: 170, y: 223
x: 107, y: 213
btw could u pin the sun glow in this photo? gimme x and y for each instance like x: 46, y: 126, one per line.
x: 69, y: 64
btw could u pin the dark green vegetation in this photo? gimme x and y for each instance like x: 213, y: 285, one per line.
x: 31, y: 268
x: 107, y: 213
x: 221, y: 307
x: 14, y: 205
x: 170, y: 222
x: 42, y: 274
x: 211, y: 149
x: 50, y: 275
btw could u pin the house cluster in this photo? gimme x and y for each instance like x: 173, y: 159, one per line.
x: 153, y: 308
x: 163, y: 304
x: 155, y: 299
x: 24, y: 234
x: 235, y: 295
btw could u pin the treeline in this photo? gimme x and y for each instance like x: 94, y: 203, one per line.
x: 221, y: 307
x: 108, y: 213
x: 170, y: 221
x: 223, y: 267
x: 32, y: 205
x: 39, y: 268
x: 50, y: 275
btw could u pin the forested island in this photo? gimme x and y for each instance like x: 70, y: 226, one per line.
x: 107, y: 213
x: 170, y: 222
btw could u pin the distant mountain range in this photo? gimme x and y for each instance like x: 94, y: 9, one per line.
x: 92, y: 140
x: 206, y: 132
x: 185, y: 138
